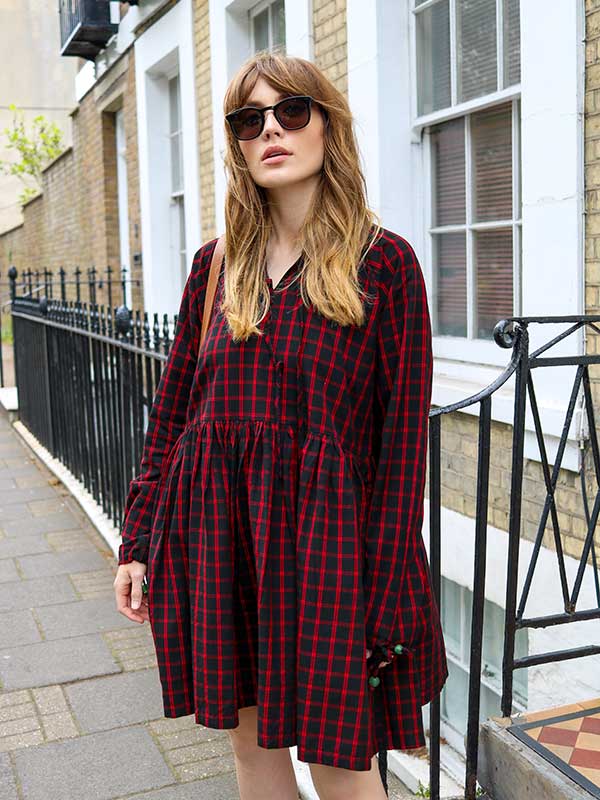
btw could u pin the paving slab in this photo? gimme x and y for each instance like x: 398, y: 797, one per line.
x: 41, y: 564
x: 85, y: 616
x: 100, y: 766
x: 24, y: 545
x: 8, y: 790
x: 53, y: 521
x: 219, y: 787
x: 58, y: 661
x: 35, y: 592
x: 17, y: 511
x: 17, y: 628
x: 10, y: 496
x: 8, y: 571
x: 117, y: 700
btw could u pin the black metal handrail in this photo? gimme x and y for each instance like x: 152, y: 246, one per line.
x: 86, y: 377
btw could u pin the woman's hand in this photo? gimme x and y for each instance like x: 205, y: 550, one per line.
x: 382, y: 663
x: 128, y: 591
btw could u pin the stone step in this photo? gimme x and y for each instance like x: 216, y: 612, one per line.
x: 513, y: 768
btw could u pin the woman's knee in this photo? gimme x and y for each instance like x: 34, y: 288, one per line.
x: 338, y: 783
x: 244, y: 737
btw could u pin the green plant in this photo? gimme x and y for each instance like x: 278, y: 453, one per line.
x: 424, y: 791
x: 36, y: 148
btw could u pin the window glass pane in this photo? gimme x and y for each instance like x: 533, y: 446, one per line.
x: 512, y: 42
x: 520, y: 683
x: 493, y: 643
x: 454, y: 698
x: 278, y: 24
x: 489, y: 704
x: 491, y: 138
x: 261, y: 30
x: 448, y: 164
x: 476, y: 48
x: 176, y: 165
x: 451, y: 616
x: 450, y: 276
x: 433, y: 58
x: 519, y: 210
x: 182, y: 253
x: 175, y: 134
x: 494, y: 279
x: 174, y: 106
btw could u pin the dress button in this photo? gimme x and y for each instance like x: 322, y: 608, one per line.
x: 374, y: 680
x: 398, y: 649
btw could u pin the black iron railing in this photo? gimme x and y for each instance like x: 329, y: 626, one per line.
x: 86, y: 376
x: 85, y: 27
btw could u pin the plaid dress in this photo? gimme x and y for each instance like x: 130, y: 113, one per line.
x: 279, y: 510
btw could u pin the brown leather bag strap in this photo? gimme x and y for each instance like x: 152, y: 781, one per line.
x: 211, y: 286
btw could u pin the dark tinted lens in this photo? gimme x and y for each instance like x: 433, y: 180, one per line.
x: 247, y: 123
x: 293, y: 113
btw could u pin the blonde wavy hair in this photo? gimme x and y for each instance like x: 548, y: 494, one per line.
x: 339, y: 227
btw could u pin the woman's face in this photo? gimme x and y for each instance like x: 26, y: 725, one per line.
x: 305, y: 147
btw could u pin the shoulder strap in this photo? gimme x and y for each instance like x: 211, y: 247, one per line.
x: 211, y: 287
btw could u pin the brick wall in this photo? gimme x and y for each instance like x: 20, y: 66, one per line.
x: 74, y: 223
x: 205, y: 118
x: 330, y: 40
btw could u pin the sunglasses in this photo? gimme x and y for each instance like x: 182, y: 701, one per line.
x: 292, y: 113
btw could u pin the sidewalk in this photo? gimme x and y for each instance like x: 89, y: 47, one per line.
x: 81, y: 715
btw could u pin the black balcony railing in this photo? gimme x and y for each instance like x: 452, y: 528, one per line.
x: 86, y: 377
x: 85, y: 27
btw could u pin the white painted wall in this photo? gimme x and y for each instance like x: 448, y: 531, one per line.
x: 165, y: 48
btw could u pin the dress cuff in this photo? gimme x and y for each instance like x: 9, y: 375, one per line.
x: 382, y: 650
x: 136, y: 551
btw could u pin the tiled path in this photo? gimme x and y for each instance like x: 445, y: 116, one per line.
x: 81, y: 714
x: 569, y: 738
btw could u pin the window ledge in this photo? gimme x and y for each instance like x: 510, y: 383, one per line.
x: 457, y: 380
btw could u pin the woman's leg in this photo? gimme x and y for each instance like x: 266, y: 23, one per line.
x: 261, y: 774
x: 337, y: 783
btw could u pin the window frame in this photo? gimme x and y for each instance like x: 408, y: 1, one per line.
x: 253, y: 12
x: 468, y: 348
x: 177, y: 196
x: 520, y: 704
x: 448, y: 346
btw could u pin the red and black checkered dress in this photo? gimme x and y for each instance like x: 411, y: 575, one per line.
x: 279, y: 509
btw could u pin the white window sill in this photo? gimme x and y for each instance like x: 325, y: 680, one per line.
x: 457, y: 380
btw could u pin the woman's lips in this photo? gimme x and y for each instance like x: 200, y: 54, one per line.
x: 276, y: 159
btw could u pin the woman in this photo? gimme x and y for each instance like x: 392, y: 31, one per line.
x: 279, y: 507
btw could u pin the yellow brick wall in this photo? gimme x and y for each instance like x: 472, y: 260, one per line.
x: 331, y: 40
x: 205, y: 118
x: 74, y: 223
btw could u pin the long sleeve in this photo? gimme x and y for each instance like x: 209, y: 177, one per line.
x: 402, y: 400
x: 168, y: 412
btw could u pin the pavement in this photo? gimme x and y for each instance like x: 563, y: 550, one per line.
x: 81, y: 715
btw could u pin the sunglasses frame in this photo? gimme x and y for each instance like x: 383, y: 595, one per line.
x: 262, y: 111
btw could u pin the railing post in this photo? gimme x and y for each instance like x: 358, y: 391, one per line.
x: 481, y: 521
x: 435, y: 526
x: 12, y: 277
x: 514, y: 524
x: 47, y: 361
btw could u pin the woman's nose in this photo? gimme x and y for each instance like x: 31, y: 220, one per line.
x: 271, y: 123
